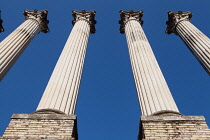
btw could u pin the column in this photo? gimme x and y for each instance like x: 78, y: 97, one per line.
x: 153, y: 93
x: 61, y: 93
x: 14, y: 44
x: 198, y: 43
x: 1, y: 21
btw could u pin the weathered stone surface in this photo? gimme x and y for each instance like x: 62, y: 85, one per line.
x: 197, y: 42
x: 172, y: 117
x: 89, y: 16
x: 174, y: 18
x: 41, y: 126
x: 62, y: 89
x: 39, y: 16
x: 129, y: 15
x: 15, y: 44
x: 43, y: 116
x: 173, y: 128
x: 153, y: 92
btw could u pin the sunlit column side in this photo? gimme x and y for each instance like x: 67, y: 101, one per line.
x: 62, y: 90
x: 14, y: 45
x: 153, y: 93
x: 198, y: 43
x: 1, y: 26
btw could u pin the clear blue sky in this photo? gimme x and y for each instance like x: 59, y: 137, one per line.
x: 107, y: 105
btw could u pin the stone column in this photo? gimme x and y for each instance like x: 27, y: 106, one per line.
x: 54, y: 118
x: 153, y: 93
x: 196, y: 41
x: 61, y: 92
x: 14, y: 45
x: 1, y: 21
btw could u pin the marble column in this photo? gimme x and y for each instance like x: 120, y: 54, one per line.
x: 14, y: 44
x: 61, y: 92
x: 198, y: 43
x: 154, y: 95
x: 1, y: 21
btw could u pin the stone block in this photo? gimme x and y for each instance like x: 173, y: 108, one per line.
x: 41, y: 126
x: 174, y: 127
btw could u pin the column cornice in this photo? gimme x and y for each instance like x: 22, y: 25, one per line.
x: 1, y: 26
x: 88, y: 16
x: 40, y: 17
x: 127, y: 16
x: 174, y: 18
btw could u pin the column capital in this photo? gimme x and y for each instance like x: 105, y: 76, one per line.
x: 88, y: 16
x: 174, y: 18
x: 40, y: 16
x: 127, y: 16
x: 1, y: 21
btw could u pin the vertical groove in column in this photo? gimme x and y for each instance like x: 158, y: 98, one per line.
x: 79, y: 73
x: 14, y: 34
x: 136, y: 77
x: 57, y: 76
x: 197, y: 43
x: 153, y: 92
x: 141, y: 70
x: 57, y: 73
x: 9, y: 46
x: 62, y: 90
x: 195, y: 40
x: 69, y: 67
x: 190, y: 41
x: 153, y: 68
x: 73, y: 75
x: 72, y: 64
x: 143, y: 50
x: 15, y: 44
x: 200, y: 49
x: 146, y: 69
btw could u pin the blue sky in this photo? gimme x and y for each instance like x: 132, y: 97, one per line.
x: 107, y: 106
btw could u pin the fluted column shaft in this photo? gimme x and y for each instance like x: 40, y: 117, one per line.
x: 153, y: 92
x: 196, y: 41
x: 14, y: 45
x: 62, y: 90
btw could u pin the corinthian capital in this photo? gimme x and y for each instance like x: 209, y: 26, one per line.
x: 89, y: 16
x: 1, y: 21
x: 40, y: 16
x: 129, y: 15
x: 174, y: 18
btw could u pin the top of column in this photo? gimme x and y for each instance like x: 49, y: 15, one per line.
x: 174, y: 18
x: 40, y: 16
x: 1, y: 21
x: 129, y: 15
x: 89, y: 16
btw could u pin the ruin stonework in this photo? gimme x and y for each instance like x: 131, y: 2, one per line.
x: 41, y: 126
x: 173, y: 128
x: 161, y: 118
x: 55, y: 119
x: 15, y: 44
x: 196, y: 41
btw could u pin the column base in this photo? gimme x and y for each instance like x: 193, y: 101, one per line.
x: 173, y: 127
x: 41, y: 126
